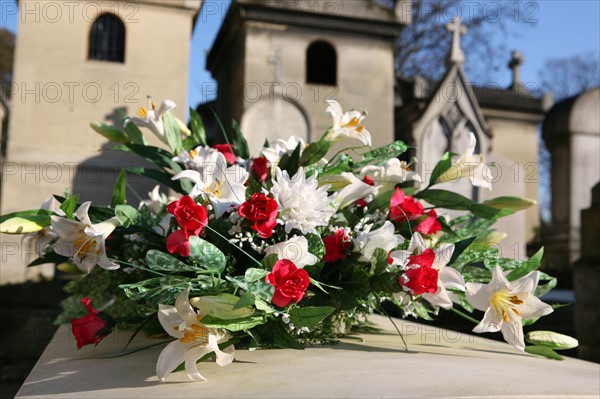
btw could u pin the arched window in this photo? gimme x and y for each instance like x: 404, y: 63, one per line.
x: 107, y: 39
x: 321, y: 64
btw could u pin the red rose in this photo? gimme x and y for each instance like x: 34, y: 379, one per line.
x: 425, y: 259
x: 189, y: 215
x: 227, y: 150
x: 430, y: 225
x: 289, y: 281
x: 178, y: 243
x: 370, y: 182
x: 420, y: 277
x: 86, y: 328
x: 336, y: 246
x: 261, y: 210
x: 420, y: 280
x: 403, y: 207
x: 259, y: 169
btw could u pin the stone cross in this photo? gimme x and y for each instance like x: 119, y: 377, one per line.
x: 515, y: 65
x: 276, y: 61
x: 456, y: 54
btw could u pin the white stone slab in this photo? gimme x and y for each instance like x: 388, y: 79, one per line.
x: 439, y: 363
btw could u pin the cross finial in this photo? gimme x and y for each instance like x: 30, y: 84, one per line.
x: 276, y: 61
x: 456, y: 54
x: 516, y: 60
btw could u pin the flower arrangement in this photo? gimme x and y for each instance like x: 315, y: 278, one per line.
x: 286, y: 249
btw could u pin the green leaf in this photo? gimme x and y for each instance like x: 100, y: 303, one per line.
x: 476, y: 274
x: 421, y: 311
x: 379, y: 261
x: 156, y: 290
x: 119, y: 195
x: 25, y: 221
x: 315, y: 245
x: 197, y: 127
x: 541, y: 290
x: 342, y: 164
x: 442, y: 166
x: 544, y: 351
x: 245, y: 300
x: 158, y: 156
x: 240, y: 145
x: 242, y: 324
x: 262, y: 290
x: 206, y: 254
x: 134, y: 133
x: 253, y: 274
x: 110, y: 132
x: 451, y: 200
x: 460, y: 247
x: 283, y: 339
x: 355, y: 284
x: 309, y: 316
x: 445, y: 199
x: 172, y: 132
x: 314, y: 152
x: 385, y: 282
x: 488, y: 212
x: 163, y: 262
x: 291, y: 162
x: 269, y: 261
x: 382, y: 154
x: 126, y: 215
x: 69, y: 205
x: 50, y: 257
x: 264, y: 306
x: 461, y: 299
x: 381, y: 201
x: 527, y: 267
x: 182, y: 186
x: 253, y: 187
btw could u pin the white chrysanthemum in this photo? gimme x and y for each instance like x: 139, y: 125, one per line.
x: 303, y: 204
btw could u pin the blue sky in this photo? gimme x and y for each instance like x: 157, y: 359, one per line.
x: 563, y: 28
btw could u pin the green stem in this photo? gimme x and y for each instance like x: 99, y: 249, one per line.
x: 464, y: 315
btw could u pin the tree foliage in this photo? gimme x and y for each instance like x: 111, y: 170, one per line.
x: 424, y: 44
x: 567, y: 76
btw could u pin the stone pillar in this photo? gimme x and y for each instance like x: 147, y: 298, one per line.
x: 586, y: 280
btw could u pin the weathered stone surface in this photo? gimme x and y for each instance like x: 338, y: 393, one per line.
x: 439, y: 363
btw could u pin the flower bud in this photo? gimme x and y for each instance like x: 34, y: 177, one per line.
x: 111, y: 133
x: 551, y: 339
x: 508, y: 202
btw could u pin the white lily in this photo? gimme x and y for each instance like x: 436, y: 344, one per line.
x: 194, y: 339
x: 280, y: 147
x: 40, y: 239
x: 294, y: 249
x: 151, y: 118
x: 346, y: 124
x: 353, y: 191
x: 222, y: 185
x: 448, y: 277
x: 197, y: 158
x: 156, y: 202
x: 83, y: 241
x: 303, y: 204
x: 506, y: 303
x: 468, y: 165
x: 383, y: 237
x: 392, y: 172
